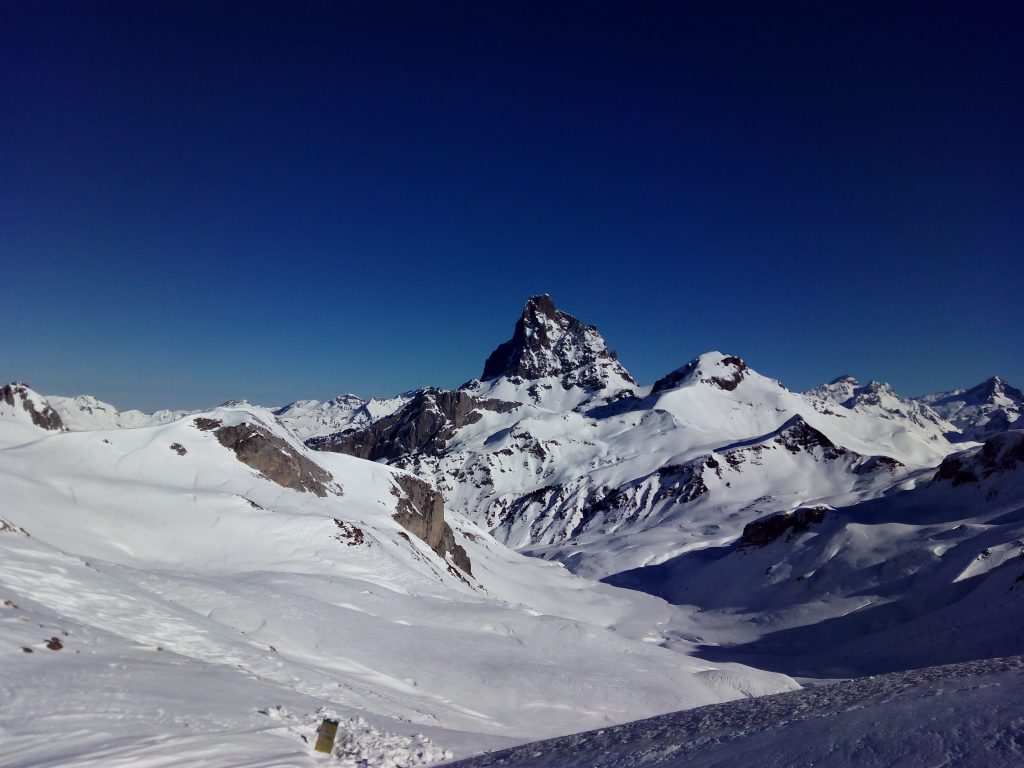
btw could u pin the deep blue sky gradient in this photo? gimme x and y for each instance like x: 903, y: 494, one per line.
x: 209, y: 200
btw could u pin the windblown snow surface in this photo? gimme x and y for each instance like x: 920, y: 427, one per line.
x: 968, y: 714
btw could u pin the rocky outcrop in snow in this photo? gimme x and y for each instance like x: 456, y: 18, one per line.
x: 999, y: 455
x: 421, y: 512
x: 879, y: 399
x: 23, y: 404
x: 722, y: 371
x: 423, y: 425
x: 271, y: 455
x: 771, y: 527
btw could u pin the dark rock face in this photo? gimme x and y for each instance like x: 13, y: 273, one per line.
x: 547, y: 342
x: 423, y: 425
x: 44, y: 417
x: 732, y: 380
x: 769, y: 528
x: 458, y: 554
x: 272, y: 456
x: 735, y: 371
x: 878, y: 464
x: 6, y: 527
x: 675, y: 378
x: 797, y: 435
x: 351, y: 535
x: 677, y: 483
x: 957, y: 469
x: 420, y: 510
x: 999, y: 454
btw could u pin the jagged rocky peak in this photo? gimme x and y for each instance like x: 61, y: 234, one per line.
x: 995, y: 389
x: 712, y: 368
x: 874, y: 392
x: 547, y: 342
x: 849, y: 392
x: 877, y: 398
x: 838, y: 391
x: 25, y: 404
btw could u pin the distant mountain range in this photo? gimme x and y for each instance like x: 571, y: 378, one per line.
x: 841, y: 531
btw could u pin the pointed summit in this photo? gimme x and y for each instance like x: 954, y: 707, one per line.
x: 981, y: 411
x: 994, y: 390
x: 713, y: 368
x: 547, y: 342
x: 838, y: 391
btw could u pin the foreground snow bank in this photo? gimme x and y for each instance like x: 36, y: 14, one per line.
x: 358, y: 743
x: 969, y: 714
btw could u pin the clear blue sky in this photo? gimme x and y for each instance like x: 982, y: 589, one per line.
x: 209, y: 200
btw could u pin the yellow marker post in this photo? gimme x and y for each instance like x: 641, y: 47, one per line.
x: 325, y: 735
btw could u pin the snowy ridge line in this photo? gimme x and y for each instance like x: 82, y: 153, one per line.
x: 557, y: 451
x: 840, y: 723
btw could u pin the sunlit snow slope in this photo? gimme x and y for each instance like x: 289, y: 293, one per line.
x: 202, y: 592
x: 559, y: 453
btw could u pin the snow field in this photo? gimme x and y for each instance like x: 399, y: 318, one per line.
x: 195, y: 593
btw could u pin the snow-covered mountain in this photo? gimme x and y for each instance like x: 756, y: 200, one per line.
x: 981, y: 411
x: 878, y: 399
x: 306, y: 418
x: 558, y: 452
x: 930, y: 572
x: 312, y: 418
x: 207, y: 589
x: 25, y: 415
x: 84, y: 413
x: 356, y: 557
